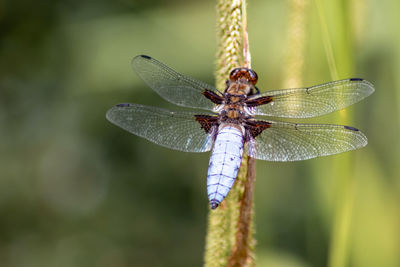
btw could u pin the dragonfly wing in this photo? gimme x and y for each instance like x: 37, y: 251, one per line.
x: 312, y: 101
x: 283, y: 141
x: 171, y: 85
x: 173, y: 129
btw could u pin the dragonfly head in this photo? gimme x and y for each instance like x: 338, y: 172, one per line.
x: 243, y: 74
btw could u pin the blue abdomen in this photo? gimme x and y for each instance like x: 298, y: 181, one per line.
x: 224, y: 164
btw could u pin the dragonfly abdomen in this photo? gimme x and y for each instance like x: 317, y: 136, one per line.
x: 224, y: 164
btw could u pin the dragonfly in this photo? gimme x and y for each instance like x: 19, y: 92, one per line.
x: 229, y: 123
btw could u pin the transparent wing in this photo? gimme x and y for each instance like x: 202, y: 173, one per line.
x: 171, y: 85
x: 316, y: 100
x: 284, y: 141
x: 172, y: 129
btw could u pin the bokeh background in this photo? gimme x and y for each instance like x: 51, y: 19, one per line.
x: 77, y: 191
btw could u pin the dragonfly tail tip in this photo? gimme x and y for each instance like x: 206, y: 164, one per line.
x: 214, y: 204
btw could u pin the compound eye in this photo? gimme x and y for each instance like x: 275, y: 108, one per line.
x: 243, y: 73
x: 252, y: 76
x: 235, y: 73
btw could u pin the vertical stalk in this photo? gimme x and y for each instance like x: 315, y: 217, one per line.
x: 341, y: 170
x: 229, y: 239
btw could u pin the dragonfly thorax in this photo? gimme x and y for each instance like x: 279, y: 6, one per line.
x: 233, y: 108
x: 241, y: 87
x: 234, y: 114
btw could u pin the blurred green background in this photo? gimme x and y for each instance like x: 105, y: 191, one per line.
x: 77, y: 191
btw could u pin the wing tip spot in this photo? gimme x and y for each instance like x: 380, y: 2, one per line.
x: 351, y: 128
x: 145, y: 56
x: 123, y: 105
x: 356, y: 79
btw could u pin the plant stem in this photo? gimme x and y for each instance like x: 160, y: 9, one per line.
x: 243, y: 251
x: 229, y: 239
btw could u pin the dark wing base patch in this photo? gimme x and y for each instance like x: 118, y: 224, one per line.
x: 207, y: 122
x: 259, y: 101
x: 215, y: 98
x: 254, y: 127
